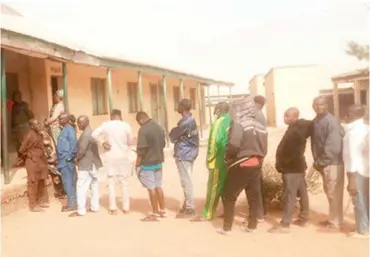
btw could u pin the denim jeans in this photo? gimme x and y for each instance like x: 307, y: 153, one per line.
x: 185, y: 169
x: 361, y: 204
x: 69, y: 183
x: 87, y: 179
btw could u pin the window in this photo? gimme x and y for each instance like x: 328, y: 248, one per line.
x: 193, y: 98
x: 176, y: 97
x: 133, y: 105
x: 99, y: 96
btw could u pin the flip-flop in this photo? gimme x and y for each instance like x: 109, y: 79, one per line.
x: 150, y: 218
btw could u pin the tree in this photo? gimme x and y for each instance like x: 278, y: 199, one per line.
x: 361, y: 52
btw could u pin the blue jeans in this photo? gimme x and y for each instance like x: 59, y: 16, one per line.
x: 185, y: 169
x: 69, y: 183
x: 361, y: 204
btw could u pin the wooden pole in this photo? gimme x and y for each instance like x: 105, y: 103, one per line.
x: 357, y: 91
x: 65, y: 86
x: 4, y: 121
x: 164, y: 90
x: 109, y: 85
x: 199, y: 96
x: 181, y: 89
x: 209, y: 105
x: 230, y: 94
x: 140, y: 89
x: 218, y: 93
x: 336, y: 100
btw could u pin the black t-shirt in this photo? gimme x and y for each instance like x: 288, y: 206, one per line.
x: 150, y: 144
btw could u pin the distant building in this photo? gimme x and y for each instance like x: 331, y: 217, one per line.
x: 257, y: 85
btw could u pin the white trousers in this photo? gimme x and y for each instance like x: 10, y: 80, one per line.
x: 122, y: 182
x: 85, y: 180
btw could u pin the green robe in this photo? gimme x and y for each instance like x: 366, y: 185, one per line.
x: 215, y: 163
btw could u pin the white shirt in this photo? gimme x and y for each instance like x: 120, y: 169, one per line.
x: 356, y: 148
x: 118, y: 135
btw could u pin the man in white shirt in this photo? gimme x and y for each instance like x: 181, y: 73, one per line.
x: 116, y: 158
x: 356, y: 161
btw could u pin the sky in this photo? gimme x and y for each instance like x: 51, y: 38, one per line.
x: 228, y: 40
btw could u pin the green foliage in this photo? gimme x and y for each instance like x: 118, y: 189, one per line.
x: 273, y: 185
x: 361, y: 52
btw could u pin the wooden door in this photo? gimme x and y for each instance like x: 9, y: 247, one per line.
x: 154, y: 99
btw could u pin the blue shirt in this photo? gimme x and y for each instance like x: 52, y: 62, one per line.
x: 66, y: 146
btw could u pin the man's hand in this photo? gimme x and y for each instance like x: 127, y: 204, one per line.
x: 19, y: 162
x: 106, y: 146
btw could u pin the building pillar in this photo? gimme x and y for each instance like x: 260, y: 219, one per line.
x: 199, y: 96
x: 4, y: 121
x: 164, y: 98
x: 209, y: 104
x: 230, y: 94
x: 218, y: 93
x: 140, y: 89
x: 357, y: 91
x: 336, y: 100
x: 109, y: 85
x: 181, y: 89
x: 65, y: 86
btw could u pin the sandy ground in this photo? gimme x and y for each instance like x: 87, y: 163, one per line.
x: 54, y: 234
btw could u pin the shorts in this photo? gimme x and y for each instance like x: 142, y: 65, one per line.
x: 150, y: 179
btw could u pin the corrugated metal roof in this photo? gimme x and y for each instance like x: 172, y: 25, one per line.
x: 352, y: 74
x: 29, y: 28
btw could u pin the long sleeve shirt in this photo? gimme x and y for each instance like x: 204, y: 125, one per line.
x: 66, y: 146
x: 356, y: 148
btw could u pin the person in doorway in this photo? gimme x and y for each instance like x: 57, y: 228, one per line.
x: 356, y: 161
x: 20, y: 115
x: 88, y: 162
x: 32, y: 153
x: 215, y: 161
x: 327, y: 144
x: 66, y: 150
x: 245, y: 149
x: 291, y: 163
x: 57, y: 109
x: 117, y: 135
x: 185, y: 136
x: 150, y: 156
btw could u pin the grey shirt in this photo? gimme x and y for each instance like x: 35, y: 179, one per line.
x: 87, y: 152
x: 260, y: 118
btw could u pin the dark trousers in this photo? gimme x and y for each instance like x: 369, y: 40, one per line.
x: 262, y: 209
x: 238, y: 179
x: 37, y: 192
x: 294, y: 184
x: 69, y: 183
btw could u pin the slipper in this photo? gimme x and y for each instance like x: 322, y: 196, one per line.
x: 150, y: 218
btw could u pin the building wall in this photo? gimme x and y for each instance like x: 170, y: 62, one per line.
x: 256, y: 85
x: 294, y: 87
x: 270, y: 99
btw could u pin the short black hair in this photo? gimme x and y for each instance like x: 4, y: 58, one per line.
x: 223, y: 107
x: 116, y: 112
x: 185, y: 104
x: 258, y: 99
x: 141, y: 115
x: 357, y: 110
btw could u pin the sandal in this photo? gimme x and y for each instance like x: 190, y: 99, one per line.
x: 149, y: 218
x: 112, y: 212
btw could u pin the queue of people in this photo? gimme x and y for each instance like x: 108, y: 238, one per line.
x: 236, y: 150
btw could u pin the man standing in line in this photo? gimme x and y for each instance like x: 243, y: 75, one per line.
x: 32, y: 152
x: 215, y: 161
x: 88, y: 163
x: 245, y: 149
x: 116, y: 158
x: 356, y: 161
x: 291, y: 163
x: 186, y: 139
x: 327, y: 142
x: 66, y: 149
x: 150, y: 156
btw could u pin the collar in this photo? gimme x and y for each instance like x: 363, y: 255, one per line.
x: 355, y: 123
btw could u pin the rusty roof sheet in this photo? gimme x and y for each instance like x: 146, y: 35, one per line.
x: 351, y: 75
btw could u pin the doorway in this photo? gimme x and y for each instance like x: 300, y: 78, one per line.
x: 156, y: 106
x: 56, y: 83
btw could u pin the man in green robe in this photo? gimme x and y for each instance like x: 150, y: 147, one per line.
x: 215, y: 161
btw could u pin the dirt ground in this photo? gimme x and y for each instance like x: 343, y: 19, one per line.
x: 54, y: 234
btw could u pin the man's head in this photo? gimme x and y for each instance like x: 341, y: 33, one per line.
x: 291, y: 115
x: 320, y: 105
x: 35, y: 125
x: 142, y: 118
x: 221, y: 108
x: 116, y: 114
x: 184, y: 106
x: 259, y: 101
x: 63, y: 119
x: 83, y: 122
x: 356, y: 112
x: 58, y: 96
x: 17, y: 96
